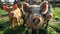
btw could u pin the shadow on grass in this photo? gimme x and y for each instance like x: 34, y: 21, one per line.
x: 56, y: 28
x: 4, y: 25
x: 17, y: 30
x: 43, y: 31
x: 9, y: 31
x: 21, y: 30
x: 4, y: 15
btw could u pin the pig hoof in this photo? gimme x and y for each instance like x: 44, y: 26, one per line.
x: 18, y: 24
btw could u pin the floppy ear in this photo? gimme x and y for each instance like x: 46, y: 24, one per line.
x: 5, y: 8
x: 44, y: 7
x: 15, y: 6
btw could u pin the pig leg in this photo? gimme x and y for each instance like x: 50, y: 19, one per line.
x: 47, y: 24
x: 17, y: 21
x: 29, y: 31
x: 48, y: 17
x: 12, y: 22
x: 37, y: 32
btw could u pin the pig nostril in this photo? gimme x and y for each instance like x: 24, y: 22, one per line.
x: 36, y: 17
x: 36, y: 21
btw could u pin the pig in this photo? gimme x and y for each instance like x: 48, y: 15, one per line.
x: 14, y: 14
x: 35, y: 16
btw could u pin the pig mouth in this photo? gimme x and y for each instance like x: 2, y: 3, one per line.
x: 36, y: 21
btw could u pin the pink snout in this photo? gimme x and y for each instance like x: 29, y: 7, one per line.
x: 36, y: 20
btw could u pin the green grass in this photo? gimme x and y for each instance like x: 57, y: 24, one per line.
x: 2, y: 12
x: 56, y: 13
x: 56, y: 27
x: 52, y: 29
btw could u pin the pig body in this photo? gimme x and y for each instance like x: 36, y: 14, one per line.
x: 14, y: 14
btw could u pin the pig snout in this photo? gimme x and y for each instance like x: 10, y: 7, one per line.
x: 36, y: 20
x: 11, y: 14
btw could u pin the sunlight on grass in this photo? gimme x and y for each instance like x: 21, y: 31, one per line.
x: 56, y: 13
x: 51, y: 31
x: 3, y: 20
x: 55, y: 26
x: 1, y: 32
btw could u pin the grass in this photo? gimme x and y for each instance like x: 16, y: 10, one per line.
x: 56, y: 13
x: 2, y: 12
x: 56, y: 27
x: 52, y: 29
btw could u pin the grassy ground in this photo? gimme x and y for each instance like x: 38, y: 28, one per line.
x: 54, y: 26
x: 2, y: 12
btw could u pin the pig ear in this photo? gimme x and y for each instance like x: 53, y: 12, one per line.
x: 15, y: 6
x: 25, y: 5
x: 5, y: 8
x: 44, y: 6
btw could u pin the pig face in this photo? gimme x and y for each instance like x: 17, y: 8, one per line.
x: 35, y: 12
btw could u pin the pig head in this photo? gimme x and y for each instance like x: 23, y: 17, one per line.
x: 36, y: 15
